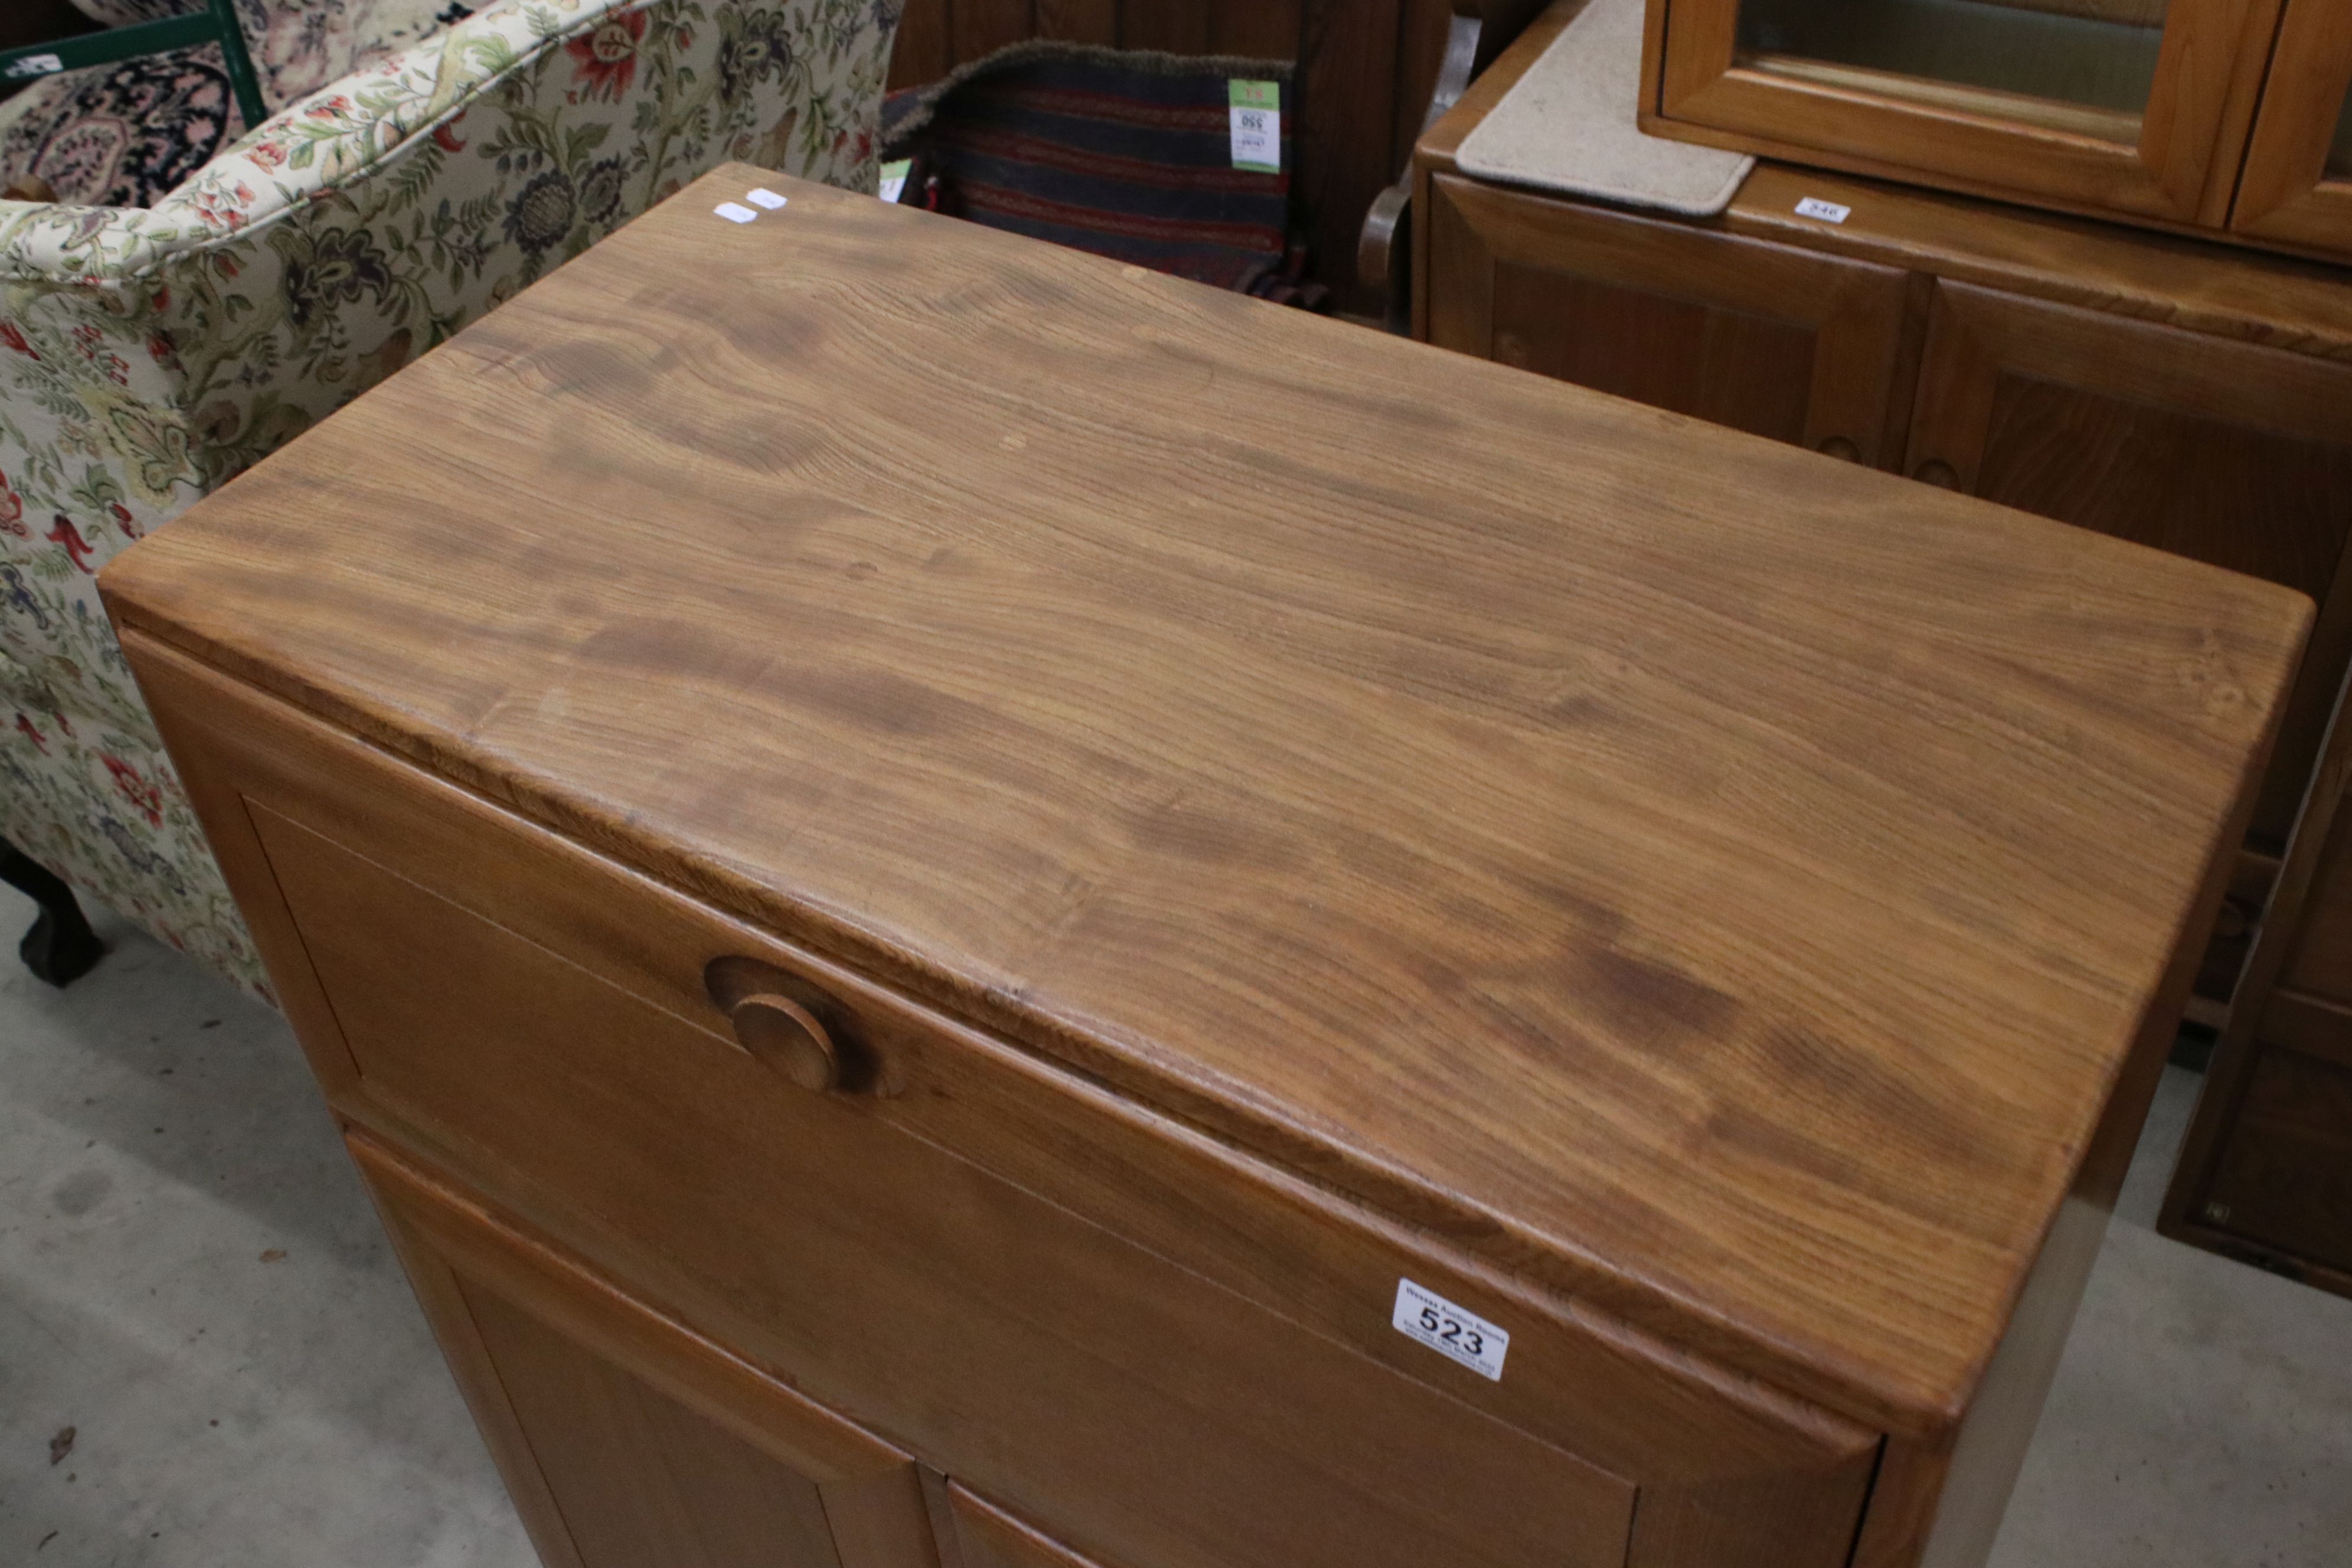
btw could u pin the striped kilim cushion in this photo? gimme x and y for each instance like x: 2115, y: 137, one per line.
x: 1124, y: 154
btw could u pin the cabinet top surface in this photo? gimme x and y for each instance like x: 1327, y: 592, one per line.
x: 1693, y: 873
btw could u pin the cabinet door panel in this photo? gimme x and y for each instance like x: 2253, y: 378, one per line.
x: 638, y: 1476
x: 991, y: 1538
x: 1778, y: 341
x: 625, y: 1438
x: 2276, y: 1180
x: 2297, y: 184
x: 2137, y: 106
x: 2226, y: 452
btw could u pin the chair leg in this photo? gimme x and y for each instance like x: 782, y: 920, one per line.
x: 60, y: 948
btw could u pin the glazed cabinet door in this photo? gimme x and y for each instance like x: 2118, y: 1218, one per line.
x: 626, y: 1439
x: 2231, y: 452
x: 2297, y: 184
x: 2135, y: 107
x: 1768, y: 339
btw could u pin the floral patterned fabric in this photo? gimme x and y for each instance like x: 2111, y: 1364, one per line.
x: 147, y: 355
x: 128, y: 133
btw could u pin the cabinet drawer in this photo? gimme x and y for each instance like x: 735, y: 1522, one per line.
x: 1165, y: 1352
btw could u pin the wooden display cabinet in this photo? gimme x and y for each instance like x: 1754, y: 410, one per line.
x: 2298, y: 185
x: 2187, y: 397
x: 2225, y: 117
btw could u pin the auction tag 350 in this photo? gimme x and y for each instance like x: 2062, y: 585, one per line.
x: 1450, y: 1330
x: 1256, y: 123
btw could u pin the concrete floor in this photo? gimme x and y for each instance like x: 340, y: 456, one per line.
x: 191, y: 1279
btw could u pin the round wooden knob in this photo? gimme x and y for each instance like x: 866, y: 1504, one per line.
x: 788, y: 1037
x: 1842, y: 448
x: 1936, y: 471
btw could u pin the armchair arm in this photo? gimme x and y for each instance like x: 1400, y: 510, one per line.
x: 1477, y: 32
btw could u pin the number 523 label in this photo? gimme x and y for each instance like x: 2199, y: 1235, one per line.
x: 1450, y: 1330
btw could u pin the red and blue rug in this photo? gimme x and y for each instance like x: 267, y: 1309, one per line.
x: 1124, y: 153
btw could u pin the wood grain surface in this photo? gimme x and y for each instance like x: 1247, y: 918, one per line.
x: 1633, y: 850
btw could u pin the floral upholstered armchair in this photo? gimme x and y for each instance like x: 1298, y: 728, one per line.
x: 149, y: 353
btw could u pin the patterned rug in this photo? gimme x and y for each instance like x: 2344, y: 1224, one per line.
x: 125, y: 135
x: 1127, y: 154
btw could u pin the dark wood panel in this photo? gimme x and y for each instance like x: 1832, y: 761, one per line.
x: 1421, y: 47
x: 1765, y: 338
x: 1348, y: 102
x: 2322, y: 960
x: 2259, y: 501
x: 1180, y: 27
x: 2284, y: 1177
x: 1261, y: 30
x: 926, y: 48
x: 983, y: 27
x: 2251, y: 1164
x: 1079, y: 21
x: 1734, y: 369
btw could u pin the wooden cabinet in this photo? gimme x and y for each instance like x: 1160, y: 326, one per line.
x: 1766, y: 338
x: 956, y: 920
x: 2220, y: 116
x: 2233, y: 453
x: 2266, y: 1172
x: 2298, y: 185
x: 2184, y: 396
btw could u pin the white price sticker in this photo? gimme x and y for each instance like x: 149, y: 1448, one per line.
x: 1450, y: 1330
x: 1827, y: 212
x: 1257, y: 116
